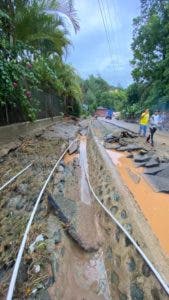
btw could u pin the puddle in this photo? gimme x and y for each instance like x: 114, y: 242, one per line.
x: 155, y: 206
x: 95, y: 272
x: 91, y: 276
x: 115, y: 156
x: 85, y: 193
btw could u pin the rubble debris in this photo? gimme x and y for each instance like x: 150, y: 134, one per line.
x: 161, y: 184
x: 142, y: 158
x: 39, y: 238
x: 36, y: 268
x: 154, y: 162
x: 111, y: 138
x: 111, y: 146
x: 130, y: 147
x: 74, y: 147
x: 127, y: 134
x: 155, y: 170
x: 69, y: 226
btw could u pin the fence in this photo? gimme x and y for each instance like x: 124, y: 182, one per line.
x: 49, y: 105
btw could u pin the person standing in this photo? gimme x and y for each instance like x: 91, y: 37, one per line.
x: 144, y: 119
x: 154, y: 123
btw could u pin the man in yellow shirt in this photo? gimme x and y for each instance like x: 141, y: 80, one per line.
x: 144, y: 120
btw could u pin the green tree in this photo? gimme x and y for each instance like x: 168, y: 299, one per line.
x: 151, y: 51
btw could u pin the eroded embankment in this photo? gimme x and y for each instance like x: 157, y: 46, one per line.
x: 128, y: 274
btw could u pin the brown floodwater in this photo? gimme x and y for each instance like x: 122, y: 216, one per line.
x: 155, y: 206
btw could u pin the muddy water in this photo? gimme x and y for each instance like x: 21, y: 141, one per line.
x: 85, y: 193
x: 82, y: 275
x: 155, y: 206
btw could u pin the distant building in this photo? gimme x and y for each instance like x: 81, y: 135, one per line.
x: 101, y: 111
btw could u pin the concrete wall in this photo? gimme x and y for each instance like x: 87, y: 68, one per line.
x: 128, y: 274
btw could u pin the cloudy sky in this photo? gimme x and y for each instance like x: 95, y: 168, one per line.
x: 90, y: 53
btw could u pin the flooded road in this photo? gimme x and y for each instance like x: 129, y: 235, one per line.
x: 155, y: 206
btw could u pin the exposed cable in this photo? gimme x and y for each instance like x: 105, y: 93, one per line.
x: 13, y: 178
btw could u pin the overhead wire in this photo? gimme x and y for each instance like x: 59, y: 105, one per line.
x: 112, y: 40
x: 105, y: 26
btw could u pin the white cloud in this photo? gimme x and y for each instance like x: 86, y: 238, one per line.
x: 91, y: 52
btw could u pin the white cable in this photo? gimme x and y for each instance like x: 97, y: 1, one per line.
x: 13, y: 178
x: 154, y: 270
x: 22, y: 246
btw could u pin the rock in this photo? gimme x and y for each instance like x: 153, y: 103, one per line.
x: 130, y: 147
x: 72, y: 231
x: 20, y: 205
x: 62, y: 163
x: 141, y: 158
x: 117, y: 234
x: 13, y: 202
x: 155, y: 294
x: 76, y: 162
x: 48, y: 282
x: 74, y: 147
x: 143, y: 152
x: 146, y: 270
x: 122, y: 296
x: 65, y: 210
x: 131, y: 265
x: 128, y: 227
x: 83, y: 132
x: 111, y: 138
x: 123, y: 214
x: 134, y: 177
x: 127, y: 241
x: 109, y: 253
x: 127, y: 134
x: 136, y: 292
x: 40, y: 295
x: 60, y: 168
x: 57, y: 236
x: 164, y: 173
x: 23, y: 187
x: 152, y: 163
x: 117, y: 261
x: 116, y: 197
x: 130, y: 156
x: 111, y: 146
x: 38, y: 134
x: 22, y: 273
x: 12, y: 146
x: 123, y: 143
x: 155, y: 170
x: 160, y: 183
x: 114, y: 209
x: 39, y: 238
x: 36, y: 268
x: 114, y: 278
x: 55, y: 266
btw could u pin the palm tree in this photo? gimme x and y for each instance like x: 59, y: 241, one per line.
x: 41, y: 23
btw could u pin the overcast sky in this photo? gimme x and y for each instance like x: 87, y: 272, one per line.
x: 90, y: 52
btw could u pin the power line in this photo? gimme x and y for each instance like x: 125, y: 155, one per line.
x: 105, y: 26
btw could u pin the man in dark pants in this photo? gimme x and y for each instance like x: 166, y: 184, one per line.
x: 154, y: 122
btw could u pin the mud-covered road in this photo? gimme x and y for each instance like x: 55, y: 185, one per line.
x: 74, y: 251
